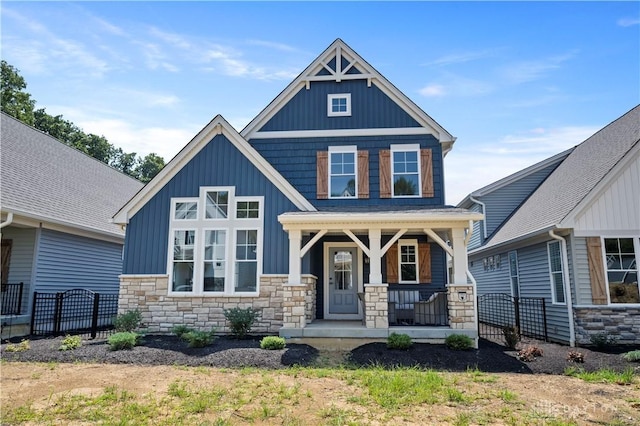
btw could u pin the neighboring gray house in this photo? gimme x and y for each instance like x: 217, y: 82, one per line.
x: 568, y: 229
x: 56, y: 204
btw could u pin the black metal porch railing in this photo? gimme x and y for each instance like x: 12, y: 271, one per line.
x: 11, y: 296
x: 417, y: 307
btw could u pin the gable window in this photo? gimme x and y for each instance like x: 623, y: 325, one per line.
x: 555, y: 272
x: 342, y: 172
x: 513, y: 273
x: 622, y: 269
x: 339, y: 105
x: 215, y: 249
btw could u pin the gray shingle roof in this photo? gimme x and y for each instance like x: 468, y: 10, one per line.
x: 42, y: 177
x: 573, y: 179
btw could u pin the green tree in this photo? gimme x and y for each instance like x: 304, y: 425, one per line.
x: 403, y: 186
x: 125, y: 162
x: 149, y: 167
x: 15, y: 101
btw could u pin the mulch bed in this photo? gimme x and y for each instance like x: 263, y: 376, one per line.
x: 232, y: 353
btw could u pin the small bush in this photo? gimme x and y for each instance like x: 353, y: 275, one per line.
x: 199, y: 339
x: 241, y: 320
x: 529, y: 353
x: 18, y: 347
x: 128, y: 321
x: 70, y: 343
x: 180, y: 330
x: 399, y: 341
x: 123, y: 340
x: 272, y: 343
x: 575, y: 356
x: 602, y: 340
x: 633, y: 356
x: 511, y: 336
x: 459, y: 342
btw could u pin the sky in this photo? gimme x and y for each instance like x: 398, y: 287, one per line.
x: 514, y: 82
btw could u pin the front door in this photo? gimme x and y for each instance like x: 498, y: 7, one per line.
x: 342, y: 283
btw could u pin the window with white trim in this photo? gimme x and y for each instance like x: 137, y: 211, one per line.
x: 513, y: 273
x: 621, y: 262
x: 405, y: 170
x: 555, y: 271
x: 216, y: 243
x: 408, y: 261
x: 343, y: 177
x: 339, y: 104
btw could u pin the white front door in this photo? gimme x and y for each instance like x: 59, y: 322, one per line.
x: 342, y: 281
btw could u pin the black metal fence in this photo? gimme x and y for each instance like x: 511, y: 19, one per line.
x: 417, y: 307
x: 11, y: 298
x: 75, y: 311
x: 499, y: 310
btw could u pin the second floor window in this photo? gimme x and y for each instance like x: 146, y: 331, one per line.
x: 405, y: 171
x: 342, y: 173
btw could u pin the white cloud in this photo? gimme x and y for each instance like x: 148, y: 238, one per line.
x: 456, y: 85
x: 462, y: 57
x: 628, y: 22
x: 273, y: 45
x: 526, y: 71
x: 433, y: 91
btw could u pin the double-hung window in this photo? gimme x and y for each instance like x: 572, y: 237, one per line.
x: 513, y: 273
x: 339, y: 104
x: 343, y: 178
x: 555, y: 271
x: 408, y: 261
x: 621, y: 263
x: 405, y: 170
x: 216, y: 243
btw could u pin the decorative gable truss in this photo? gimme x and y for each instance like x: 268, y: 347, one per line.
x: 338, y: 64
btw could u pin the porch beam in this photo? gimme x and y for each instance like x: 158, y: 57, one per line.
x: 393, y: 240
x: 356, y: 240
x: 442, y: 243
x: 312, y: 242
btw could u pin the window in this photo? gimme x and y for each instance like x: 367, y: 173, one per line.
x: 218, y: 250
x: 342, y: 172
x: 555, y: 271
x: 339, y: 105
x: 405, y: 169
x: 622, y: 269
x: 408, y: 261
x: 513, y: 273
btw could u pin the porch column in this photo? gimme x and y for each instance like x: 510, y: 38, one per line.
x: 459, y: 256
x: 295, y: 239
x: 375, y: 258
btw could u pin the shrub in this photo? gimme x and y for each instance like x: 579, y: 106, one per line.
x: 123, y: 340
x: 180, y: 330
x: 511, y: 336
x: 199, y: 339
x: 529, y: 353
x: 632, y: 356
x: 70, y: 342
x: 459, y: 342
x: 602, y: 340
x: 128, y: 321
x: 272, y: 343
x: 241, y: 320
x: 18, y: 347
x: 399, y: 341
x: 575, y: 356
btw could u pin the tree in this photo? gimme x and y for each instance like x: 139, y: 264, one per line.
x: 149, y: 167
x: 15, y: 101
x: 125, y: 162
x: 403, y: 186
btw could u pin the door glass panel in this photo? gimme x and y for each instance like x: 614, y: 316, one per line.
x: 342, y: 266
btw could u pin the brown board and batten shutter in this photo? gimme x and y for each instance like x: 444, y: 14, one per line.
x: 596, y: 271
x: 424, y: 262
x: 426, y: 166
x: 322, y: 178
x: 392, y: 264
x: 363, y: 174
x: 385, y: 173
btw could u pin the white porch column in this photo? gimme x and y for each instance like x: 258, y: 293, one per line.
x: 295, y: 263
x: 375, y: 258
x: 459, y: 256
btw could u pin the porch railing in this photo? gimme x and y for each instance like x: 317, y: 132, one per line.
x: 11, y: 296
x: 417, y: 307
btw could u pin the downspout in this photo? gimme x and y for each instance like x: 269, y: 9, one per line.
x: 567, y: 288
x: 7, y: 222
x: 484, y: 221
x: 473, y: 282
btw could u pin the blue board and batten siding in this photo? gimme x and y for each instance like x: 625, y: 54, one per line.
x: 370, y: 108
x: 66, y: 261
x: 219, y: 163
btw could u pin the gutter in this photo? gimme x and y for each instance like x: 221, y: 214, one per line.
x: 8, y: 221
x: 484, y: 212
x: 567, y: 288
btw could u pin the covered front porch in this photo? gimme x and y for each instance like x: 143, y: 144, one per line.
x: 384, y: 304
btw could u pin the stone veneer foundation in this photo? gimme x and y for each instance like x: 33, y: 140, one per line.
x: 620, y: 323
x: 461, y: 312
x: 376, y: 306
x: 160, y: 312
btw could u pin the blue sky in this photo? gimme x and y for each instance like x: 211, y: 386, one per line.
x: 515, y: 82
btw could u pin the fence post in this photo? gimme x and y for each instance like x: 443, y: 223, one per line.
x: 20, y: 299
x: 33, y: 312
x: 516, y: 309
x: 57, y: 316
x: 544, y: 319
x: 94, y: 320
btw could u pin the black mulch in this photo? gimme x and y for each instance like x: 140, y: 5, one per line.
x: 232, y: 353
